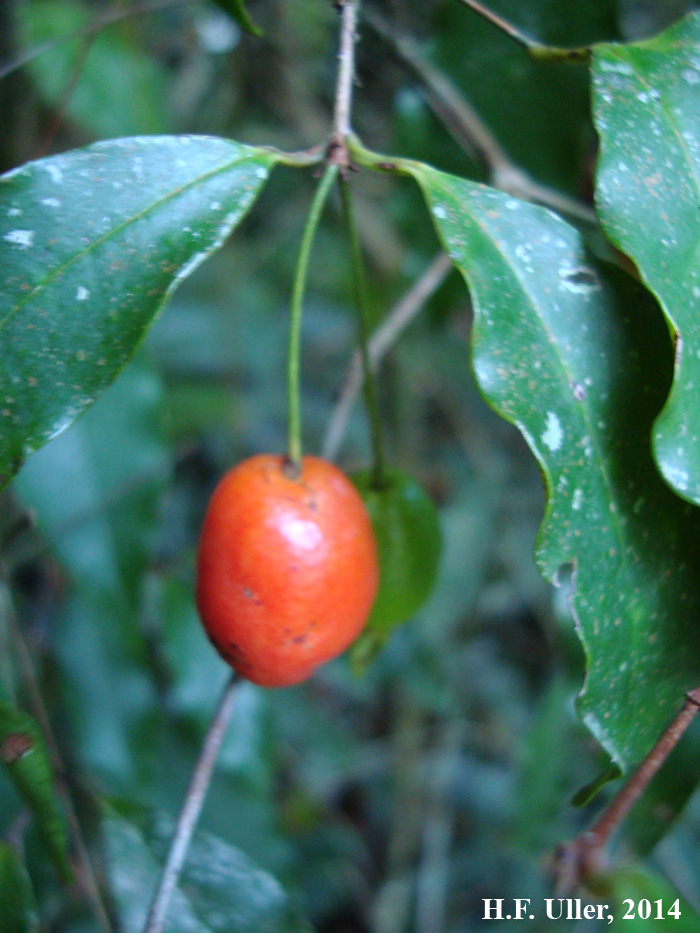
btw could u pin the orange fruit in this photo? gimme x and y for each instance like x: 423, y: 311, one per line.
x: 287, y: 569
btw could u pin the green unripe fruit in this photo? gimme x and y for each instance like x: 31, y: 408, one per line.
x: 408, y: 536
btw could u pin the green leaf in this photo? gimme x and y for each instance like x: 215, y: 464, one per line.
x: 237, y: 10
x: 408, y: 537
x: 574, y: 356
x: 17, y: 906
x: 24, y: 754
x: 639, y: 894
x: 120, y: 89
x: 647, y: 111
x: 92, y: 243
x: 221, y: 890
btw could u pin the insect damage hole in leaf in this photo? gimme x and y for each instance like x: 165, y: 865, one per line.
x: 568, y: 351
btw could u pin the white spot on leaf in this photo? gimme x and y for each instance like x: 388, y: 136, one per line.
x: 22, y: 238
x: 553, y: 434
x: 55, y: 173
x: 621, y: 68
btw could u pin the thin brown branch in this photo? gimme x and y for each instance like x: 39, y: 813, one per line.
x: 346, y: 68
x: 385, y: 336
x: 584, y: 855
x: 192, y: 807
x: 535, y: 49
x: 470, y: 132
x: 461, y: 120
x: 508, y: 28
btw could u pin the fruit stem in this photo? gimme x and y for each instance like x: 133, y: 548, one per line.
x: 294, y: 358
x: 192, y: 807
x: 360, y: 286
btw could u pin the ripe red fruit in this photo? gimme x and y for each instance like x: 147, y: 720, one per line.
x: 287, y: 569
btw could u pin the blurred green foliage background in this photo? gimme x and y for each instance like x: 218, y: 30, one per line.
x: 397, y: 801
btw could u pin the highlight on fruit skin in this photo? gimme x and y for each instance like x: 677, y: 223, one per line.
x: 287, y: 569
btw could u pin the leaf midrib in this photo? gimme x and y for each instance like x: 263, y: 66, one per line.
x: 115, y: 231
x: 585, y: 416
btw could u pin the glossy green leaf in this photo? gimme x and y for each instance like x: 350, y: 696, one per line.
x: 220, y: 891
x: 238, y: 10
x: 24, y: 754
x: 647, y: 111
x: 641, y: 901
x: 407, y: 530
x: 17, y: 906
x: 576, y: 357
x: 92, y: 243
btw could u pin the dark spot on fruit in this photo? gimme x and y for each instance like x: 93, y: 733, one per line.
x: 252, y: 595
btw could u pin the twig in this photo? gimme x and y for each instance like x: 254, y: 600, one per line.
x: 515, y: 34
x: 337, y: 150
x: 470, y: 132
x: 583, y: 856
x: 396, y: 321
x: 87, y: 872
x: 346, y: 68
x: 192, y: 807
x: 534, y: 48
x: 461, y: 120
